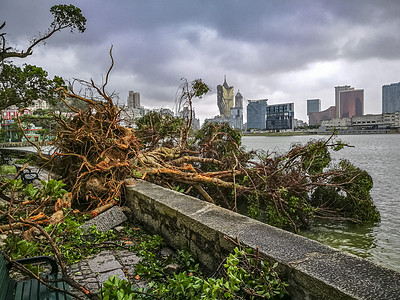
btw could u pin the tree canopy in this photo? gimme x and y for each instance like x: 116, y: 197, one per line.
x: 20, y: 85
x: 65, y: 16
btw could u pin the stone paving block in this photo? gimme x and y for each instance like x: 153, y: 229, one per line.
x: 104, y: 276
x: 89, y: 280
x: 130, y: 260
x: 86, y: 271
x: 103, y: 263
x: 106, y: 252
x: 106, y: 220
x: 92, y: 272
x: 93, y: 287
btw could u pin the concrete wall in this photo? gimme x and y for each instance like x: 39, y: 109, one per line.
x: 20, y: 144
x: 313, y: 270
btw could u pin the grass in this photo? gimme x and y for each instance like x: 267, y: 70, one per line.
x: 7, y: 169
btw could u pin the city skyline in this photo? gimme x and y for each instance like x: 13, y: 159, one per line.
x: 284, y: 51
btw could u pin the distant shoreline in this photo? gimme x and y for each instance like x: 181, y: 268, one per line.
x: 295, y: 133
x: 278, y: 133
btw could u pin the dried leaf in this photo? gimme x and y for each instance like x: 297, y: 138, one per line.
x: 56, y: 217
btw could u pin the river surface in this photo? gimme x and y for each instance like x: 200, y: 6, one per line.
x: 379, y: 155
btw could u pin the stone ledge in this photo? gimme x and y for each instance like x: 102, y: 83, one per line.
x: 313, y: 270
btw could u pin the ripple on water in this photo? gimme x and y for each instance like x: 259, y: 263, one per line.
x: 378, y: 155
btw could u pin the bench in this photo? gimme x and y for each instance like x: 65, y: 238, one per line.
x: 31, y: 289
x: 27, y: 175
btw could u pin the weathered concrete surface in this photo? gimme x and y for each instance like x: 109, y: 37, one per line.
x: 313, y: 270
x: 106, y: 220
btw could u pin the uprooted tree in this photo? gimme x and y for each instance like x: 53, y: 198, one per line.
x: 95, y: 154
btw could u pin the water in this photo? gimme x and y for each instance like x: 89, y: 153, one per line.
x: 378, y: 155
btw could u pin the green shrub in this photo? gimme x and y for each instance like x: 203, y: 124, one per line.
x: 7, y: 169
x: 245, y: 276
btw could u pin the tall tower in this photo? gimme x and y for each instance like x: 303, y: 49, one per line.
x: 237, y: 112
x: 238, y: 100
x: 225, y: 99
x: 351, y: 103
x: 133, y: 100
x: 339, y: 89
x: 391, y: 98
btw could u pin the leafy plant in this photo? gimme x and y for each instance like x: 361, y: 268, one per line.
x: 183, y: 286
x: 75, y: 244
x: 116, y: 289
x: 31, y: 192
x: 151, y: 242
x: 317, y: 157
x: 150, y: 266
x: 351, y: 194
x: 187, y: 262
x: 245, y: 276
x: 17, y: 248
x: 53, y: 188
x: 245, y: 271
x: 178, y: 189
x: 15, y: 185
x: 136, y: 174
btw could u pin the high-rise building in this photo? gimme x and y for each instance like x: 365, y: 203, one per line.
x: 236, y: 118
x: 391, y: 98
x: 238, y: 100
x: 339, y: 89
x: 280, y: 116
x: 256, y: 113
x: 133, y: 100
x: 313, y: 105
x: 315, y: 118
x: 225, y: 99
x: 236, y: 113
x: 351, y: 103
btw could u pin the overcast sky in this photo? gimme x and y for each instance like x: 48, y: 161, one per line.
x: 286, y: 51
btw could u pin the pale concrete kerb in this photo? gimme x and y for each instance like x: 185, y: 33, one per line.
x: 313, y: 270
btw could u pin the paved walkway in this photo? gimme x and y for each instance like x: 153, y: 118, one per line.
x: 92, y: 272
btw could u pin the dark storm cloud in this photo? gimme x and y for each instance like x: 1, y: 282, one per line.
x: 386, y: 46
x: 259, y: 44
